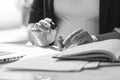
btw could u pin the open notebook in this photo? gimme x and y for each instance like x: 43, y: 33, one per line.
x: 103, y: 51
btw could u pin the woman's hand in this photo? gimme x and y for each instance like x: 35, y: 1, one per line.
x: 41, y: 33
x: 76, y: 38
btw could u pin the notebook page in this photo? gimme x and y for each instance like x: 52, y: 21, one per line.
x: 111, y: 47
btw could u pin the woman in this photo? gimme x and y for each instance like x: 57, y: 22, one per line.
x: 72, y: 19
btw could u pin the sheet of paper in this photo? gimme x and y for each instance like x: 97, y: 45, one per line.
x: 47, y: 63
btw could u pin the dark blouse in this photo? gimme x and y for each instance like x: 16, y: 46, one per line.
x: 109, y: 17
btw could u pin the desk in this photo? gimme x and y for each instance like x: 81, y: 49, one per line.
x: 104, y: 73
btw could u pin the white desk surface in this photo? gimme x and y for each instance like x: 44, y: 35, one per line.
x: 104, y: 73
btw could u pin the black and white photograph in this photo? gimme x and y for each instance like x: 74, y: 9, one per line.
x: 59, y: 39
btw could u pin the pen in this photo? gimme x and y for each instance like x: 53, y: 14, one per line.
x: 60, y: 43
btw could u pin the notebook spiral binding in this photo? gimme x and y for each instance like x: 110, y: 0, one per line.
x: 9, y: 58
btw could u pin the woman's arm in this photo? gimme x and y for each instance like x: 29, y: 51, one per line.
x: 111, y: 35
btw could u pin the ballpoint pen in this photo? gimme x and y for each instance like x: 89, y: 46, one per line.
x: 60, y: 43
